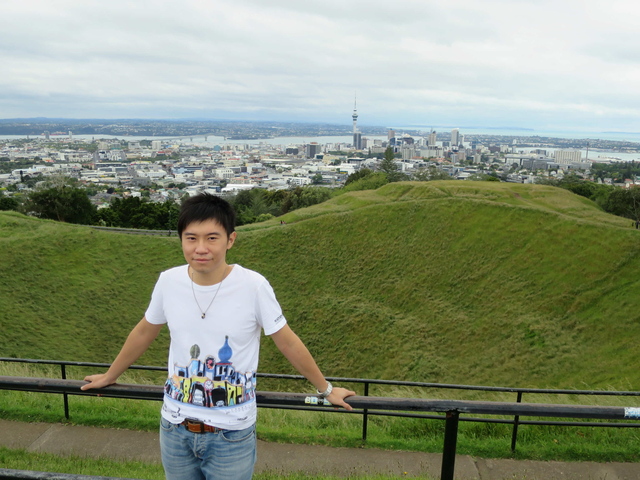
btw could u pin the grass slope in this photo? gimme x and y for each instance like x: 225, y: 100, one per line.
x: 474, y: 282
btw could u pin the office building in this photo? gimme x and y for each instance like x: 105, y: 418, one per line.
x: 567, y: 156
x: 432, y: 139
x: 313, y: 149
x: 357, y: 140
x: 455, y: 137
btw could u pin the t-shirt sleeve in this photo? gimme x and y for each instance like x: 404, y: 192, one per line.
x: 268, y: 310
x: 155, y: 310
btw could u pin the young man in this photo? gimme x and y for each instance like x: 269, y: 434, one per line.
x: 215, y: 313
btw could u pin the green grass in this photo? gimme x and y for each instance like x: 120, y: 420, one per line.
x: 454, y: 282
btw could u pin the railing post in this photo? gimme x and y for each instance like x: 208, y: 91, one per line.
x: 64, y: 395
x: 450, y: 442
x: 365, y: 416
x: 516, y: 421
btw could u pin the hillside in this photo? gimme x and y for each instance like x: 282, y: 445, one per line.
x: 471, y: 282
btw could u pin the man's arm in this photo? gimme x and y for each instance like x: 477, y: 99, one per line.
x: 142, y: 335
x: 296, y: 352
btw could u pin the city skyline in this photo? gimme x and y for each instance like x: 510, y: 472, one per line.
x: 538, y: 65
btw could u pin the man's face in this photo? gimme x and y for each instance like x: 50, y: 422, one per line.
x: 205, y: 245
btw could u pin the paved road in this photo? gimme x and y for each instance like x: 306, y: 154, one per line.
x: 311, y: 459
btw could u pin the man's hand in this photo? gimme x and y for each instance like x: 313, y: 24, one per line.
x: 337, y: 396
x: 97, y: 381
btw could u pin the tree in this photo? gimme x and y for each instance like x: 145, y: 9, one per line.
x: 8, y: 203
x: 66, y: 204
x: 430, y: 173
x: 317, y: 179
x: 354, y: 177
x: 389, y: 167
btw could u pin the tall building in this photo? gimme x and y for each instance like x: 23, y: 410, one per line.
x: 355, y: 116
x: 357, y: 141
x: 455, y: 137
x: 46, y: 134
x: 568, y: 156
x: 70, y: 135
x: 391, y: 134
x: 313, y: 149
x: 432, y: 139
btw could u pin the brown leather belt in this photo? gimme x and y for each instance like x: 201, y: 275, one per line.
x: 199, y: 427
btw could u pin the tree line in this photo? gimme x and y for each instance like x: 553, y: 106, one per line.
x: 67, y: 201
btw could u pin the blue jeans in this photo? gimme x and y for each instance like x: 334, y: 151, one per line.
x: 225, y: 454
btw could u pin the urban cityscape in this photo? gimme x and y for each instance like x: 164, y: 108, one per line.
x: 193, y: 157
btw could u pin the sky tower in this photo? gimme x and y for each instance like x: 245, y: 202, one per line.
x: 355, y: 115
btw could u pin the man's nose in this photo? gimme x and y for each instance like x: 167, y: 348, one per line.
x: 201, y: 246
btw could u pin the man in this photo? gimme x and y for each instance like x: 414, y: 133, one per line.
x: 215, y: 313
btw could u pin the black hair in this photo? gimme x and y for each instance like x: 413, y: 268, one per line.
x: 203, y: 207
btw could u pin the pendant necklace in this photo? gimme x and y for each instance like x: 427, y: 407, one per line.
x: 204, y: 313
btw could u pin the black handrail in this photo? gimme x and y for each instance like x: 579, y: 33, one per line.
x: 366, y: 382
x: 452, y: 408
x: 356, y: 380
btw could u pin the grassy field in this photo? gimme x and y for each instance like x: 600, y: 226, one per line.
x: 457, y: 282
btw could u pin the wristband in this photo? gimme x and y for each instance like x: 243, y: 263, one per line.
x: 327, y: 392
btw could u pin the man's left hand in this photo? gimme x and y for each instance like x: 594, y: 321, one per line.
x: 337, y: 396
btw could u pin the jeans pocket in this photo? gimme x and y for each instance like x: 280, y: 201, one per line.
x: 236, y: 436
x: 166, y: 425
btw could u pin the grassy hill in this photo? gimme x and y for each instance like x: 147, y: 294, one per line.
x: 470, y: 282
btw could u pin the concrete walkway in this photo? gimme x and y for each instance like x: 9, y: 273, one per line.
x: 311, y: 459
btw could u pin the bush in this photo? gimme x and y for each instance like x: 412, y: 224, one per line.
x: 9, y: 203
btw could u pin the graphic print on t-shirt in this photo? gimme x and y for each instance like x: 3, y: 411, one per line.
x: 209, y: 383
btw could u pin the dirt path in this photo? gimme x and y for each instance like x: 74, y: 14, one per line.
x: 310, y: 459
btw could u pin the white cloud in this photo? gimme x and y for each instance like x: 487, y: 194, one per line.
x: 526, y: 63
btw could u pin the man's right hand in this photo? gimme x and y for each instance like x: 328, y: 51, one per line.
x: 97, y: 381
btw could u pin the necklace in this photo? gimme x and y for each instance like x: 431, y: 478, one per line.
x: 204, y: 313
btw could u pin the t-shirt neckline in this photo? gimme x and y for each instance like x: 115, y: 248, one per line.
x: 206, y: 287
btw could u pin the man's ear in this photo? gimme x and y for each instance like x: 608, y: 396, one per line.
x: 231, y: 240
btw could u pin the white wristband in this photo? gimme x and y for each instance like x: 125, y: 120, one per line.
x: 327, y: 392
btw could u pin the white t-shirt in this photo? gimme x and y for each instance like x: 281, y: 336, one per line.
x: 213, y: 361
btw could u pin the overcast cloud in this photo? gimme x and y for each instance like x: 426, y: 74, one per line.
x: 538, y: 64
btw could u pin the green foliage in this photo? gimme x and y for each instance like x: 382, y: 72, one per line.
x: 369, y: 182
x: 8, y: 203
x: 134, y: 212
x: 389, y: 167
x: 362, y: 173
x: 301, y: 197
x: 64, y: 204
x: 619, y: 172
x: 430, y: 173
x: 482, y: 177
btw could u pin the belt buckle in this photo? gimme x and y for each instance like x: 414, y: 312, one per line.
x: 192, y: 425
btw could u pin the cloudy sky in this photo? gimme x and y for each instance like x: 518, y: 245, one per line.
x: 551, y: 65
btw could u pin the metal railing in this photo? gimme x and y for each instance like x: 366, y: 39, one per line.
x: 366, y: 383
x: 11, y: 474
x: 136, y: 231
x: 452, y: 408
